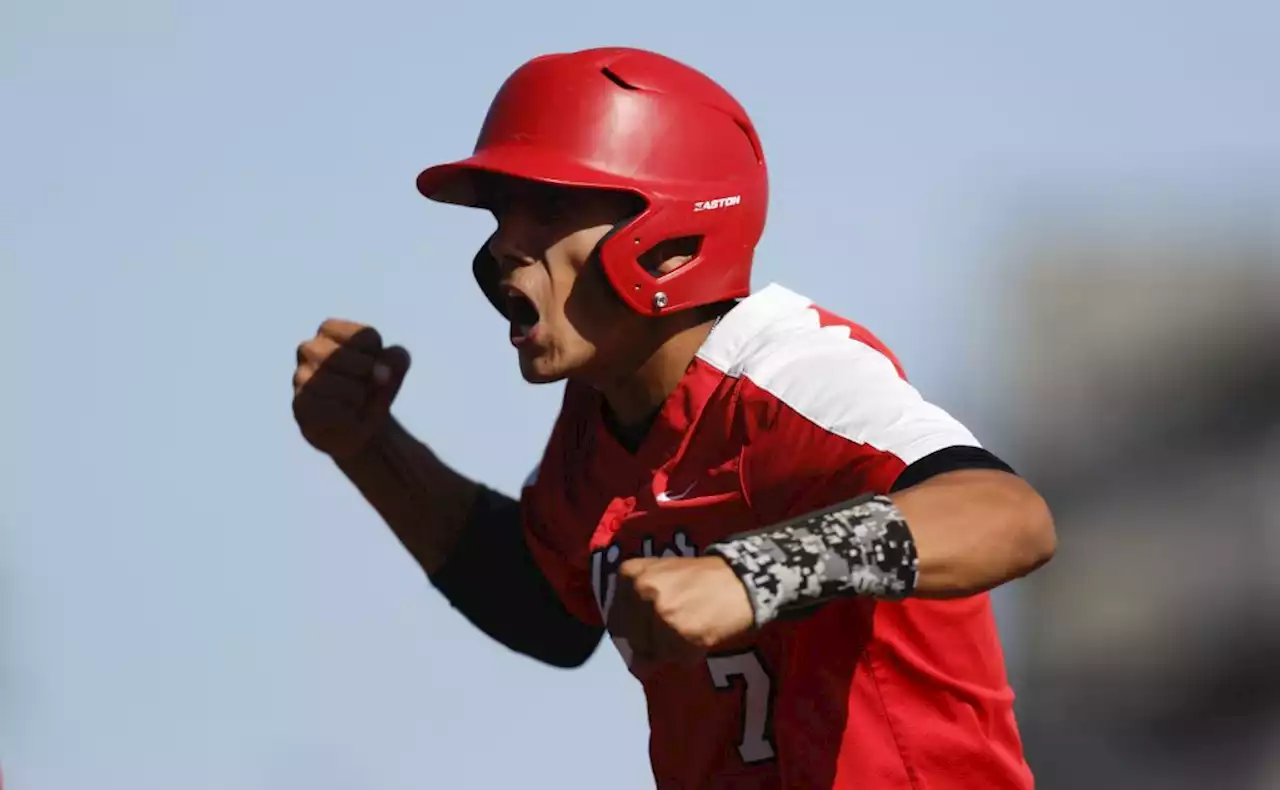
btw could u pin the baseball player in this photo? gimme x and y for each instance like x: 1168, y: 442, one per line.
x: 790, y: 547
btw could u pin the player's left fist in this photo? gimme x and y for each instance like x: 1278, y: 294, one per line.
x: 677, y: 609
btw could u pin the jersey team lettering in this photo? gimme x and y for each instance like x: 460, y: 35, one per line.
x: 605, y: 563
x: 743, y: 670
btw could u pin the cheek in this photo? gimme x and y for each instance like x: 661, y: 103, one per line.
x: 593, y: 307
x: 588, y: 310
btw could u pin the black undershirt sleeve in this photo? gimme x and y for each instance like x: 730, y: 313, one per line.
x: 949, y: 459
x: 493, y: 580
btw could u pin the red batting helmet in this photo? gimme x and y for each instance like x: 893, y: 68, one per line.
x: 630, y: 120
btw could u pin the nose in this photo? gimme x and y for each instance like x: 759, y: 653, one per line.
x: 515, y: 241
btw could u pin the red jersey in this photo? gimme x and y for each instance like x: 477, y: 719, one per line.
x: 786, y: 408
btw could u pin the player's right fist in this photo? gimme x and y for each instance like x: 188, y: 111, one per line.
x: 343, y: 386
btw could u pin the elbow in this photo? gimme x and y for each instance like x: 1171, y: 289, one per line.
x: 559, y: 661
x: 1036, y: 537
x: 566, y: 661
x: 571, y: 650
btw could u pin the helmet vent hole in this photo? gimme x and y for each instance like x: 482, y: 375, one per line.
x: 616, y: 80
x: 754, y: 140
x: 669, y: 255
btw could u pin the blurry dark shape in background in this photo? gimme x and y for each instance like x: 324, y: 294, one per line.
x: 1145, y: 372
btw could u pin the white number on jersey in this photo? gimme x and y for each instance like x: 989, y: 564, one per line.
x: 755, y: 745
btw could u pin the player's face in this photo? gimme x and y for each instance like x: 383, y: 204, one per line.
x: 565, y: 318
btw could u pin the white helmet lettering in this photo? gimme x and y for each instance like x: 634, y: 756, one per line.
x: 711, y: 205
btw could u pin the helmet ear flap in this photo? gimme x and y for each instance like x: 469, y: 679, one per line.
x: 594, y: 259
x: 485, y: 268
x: 597, y: 257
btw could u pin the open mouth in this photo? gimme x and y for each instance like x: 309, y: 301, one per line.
x: 523, y: 314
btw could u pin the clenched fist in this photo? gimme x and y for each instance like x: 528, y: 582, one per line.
x: 343, y: 386
x: 677, y: 609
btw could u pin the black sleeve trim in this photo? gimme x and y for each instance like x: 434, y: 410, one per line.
x: 949, y: 459
x: 493, y: 580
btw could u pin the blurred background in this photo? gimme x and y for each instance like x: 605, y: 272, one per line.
x: 1064, y: 218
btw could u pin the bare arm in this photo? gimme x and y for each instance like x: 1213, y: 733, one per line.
x: 467, y: 538
x: 954, y: 534
x: 975, y: 529
x: 954, y: 521
x: 958, y: 523
x: 424, y: 501
x: 470, y: 542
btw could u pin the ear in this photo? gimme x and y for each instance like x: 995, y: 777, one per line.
x: 670, y: 254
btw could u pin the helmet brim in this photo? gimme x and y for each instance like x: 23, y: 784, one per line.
x: 455, y: 182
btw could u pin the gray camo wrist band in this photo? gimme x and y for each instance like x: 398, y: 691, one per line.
x: 860, y: 547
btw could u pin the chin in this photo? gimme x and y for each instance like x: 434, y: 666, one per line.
x: 536, y: 371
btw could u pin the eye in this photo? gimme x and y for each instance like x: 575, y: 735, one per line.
x: 544, y: 205
x: 497, y: 202
x: 550, y: 208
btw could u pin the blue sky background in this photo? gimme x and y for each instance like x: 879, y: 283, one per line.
x: 190, y: 597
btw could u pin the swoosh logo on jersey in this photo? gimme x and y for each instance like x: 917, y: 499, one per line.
x: 667, y: 496
x: 703, y: 498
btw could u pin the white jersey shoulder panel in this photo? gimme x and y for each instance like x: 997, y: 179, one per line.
x: 775, y: 339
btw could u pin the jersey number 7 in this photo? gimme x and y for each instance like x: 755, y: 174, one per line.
x: 756, y: 743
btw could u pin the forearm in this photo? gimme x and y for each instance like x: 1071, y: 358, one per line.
x: 954, y: 535
x: 470, y: 542
x: 422, y: 500
x: 974, y: 531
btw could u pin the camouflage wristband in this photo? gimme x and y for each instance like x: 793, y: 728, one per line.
x: 860, y: 547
